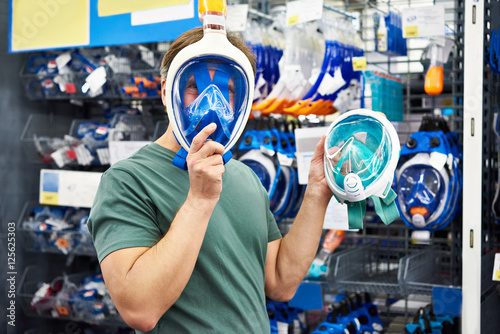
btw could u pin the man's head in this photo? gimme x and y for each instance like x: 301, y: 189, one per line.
x: 208, y: 78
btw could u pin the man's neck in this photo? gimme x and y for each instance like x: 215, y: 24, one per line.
x: 168, y: 141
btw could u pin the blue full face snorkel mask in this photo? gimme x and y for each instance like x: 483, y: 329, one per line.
x: 428, y: 180
x: 209, y: 81
x: 361, y: 154
x: 210, y: 90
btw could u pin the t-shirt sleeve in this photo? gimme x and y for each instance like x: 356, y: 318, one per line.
x: 273, y: 232
x: 272, y: 228
x: 122, y: 215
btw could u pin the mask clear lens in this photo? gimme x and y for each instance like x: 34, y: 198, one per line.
x: 421, y: 186
x: 359, y: 145
x: 210, y: 89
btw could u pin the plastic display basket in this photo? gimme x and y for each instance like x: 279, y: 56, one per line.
x: 38, y: 136
x: 427, y: 269
x: 65, y: 242
x: 372, y: 269
x: 96, y: 312
x: 63, y: 86
x: 127, y: 127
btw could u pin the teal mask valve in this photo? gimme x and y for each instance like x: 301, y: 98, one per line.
x: 361, y: 155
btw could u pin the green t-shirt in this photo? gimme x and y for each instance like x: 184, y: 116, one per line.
x: 136, y: 201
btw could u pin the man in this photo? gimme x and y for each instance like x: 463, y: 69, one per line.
x: 197, y: 251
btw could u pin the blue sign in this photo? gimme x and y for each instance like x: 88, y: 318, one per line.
x: 62, y: 24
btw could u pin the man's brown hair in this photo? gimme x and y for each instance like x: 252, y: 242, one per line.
x: 193, y: 36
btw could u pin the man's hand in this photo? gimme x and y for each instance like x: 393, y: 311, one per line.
x: 205, y: 166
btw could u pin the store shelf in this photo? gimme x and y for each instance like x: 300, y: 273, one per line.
x: 425, y: 270
x: 122, y: 128
x: 64, y: 305
x: 43, y: 135
x: 39, y: 237
x: 43, y: 80
x: 367, y: 269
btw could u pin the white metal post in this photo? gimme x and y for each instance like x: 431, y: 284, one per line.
x: 472, y: 165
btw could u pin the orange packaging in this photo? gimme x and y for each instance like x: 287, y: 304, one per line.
x: 332, y: 239
x: 434, y: 80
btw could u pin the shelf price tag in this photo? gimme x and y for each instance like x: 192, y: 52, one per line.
x: 303, y: 11
x: 359, y: 63
x: 496, y: 268
x: 423, y: 21
x: 411, y: 31
x: 237, y: 17
x: 68, y: 188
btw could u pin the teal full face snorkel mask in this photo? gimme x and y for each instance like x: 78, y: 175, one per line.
x: 210, y: 81
x: 361, y: 154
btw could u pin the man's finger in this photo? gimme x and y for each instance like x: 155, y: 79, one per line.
x: 210, y: 148
x: 201, y: 137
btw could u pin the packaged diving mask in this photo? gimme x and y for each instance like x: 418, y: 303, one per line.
x: 361, y: 154
x: 210, y: 81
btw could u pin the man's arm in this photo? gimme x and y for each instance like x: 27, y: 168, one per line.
x: 288, y: 259
x: 144, y: 282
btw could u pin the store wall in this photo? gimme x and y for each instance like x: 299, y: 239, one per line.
x: 19, y: 175
x: 16, y: 177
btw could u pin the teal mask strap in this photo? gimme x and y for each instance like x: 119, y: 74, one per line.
x: 385, y: 208
x: 356, y: 212
x: 391, y: 195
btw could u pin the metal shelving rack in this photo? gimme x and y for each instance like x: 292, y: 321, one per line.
x: 490, y: 299
x: 447, y: 241
x: 480, y: 232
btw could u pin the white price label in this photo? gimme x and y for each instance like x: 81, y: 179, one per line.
x: 423, y: 21
x: 303, y: 11
x: 237, y: 17
x: 336, y: 217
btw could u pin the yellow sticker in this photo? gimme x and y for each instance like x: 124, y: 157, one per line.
x: 411, y: 31
x: 49, y: 24
x: 497, y: 275
x: 359, y: 63
x: 49, y: 198
x: 293, y: 20
x: 113, y: 7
